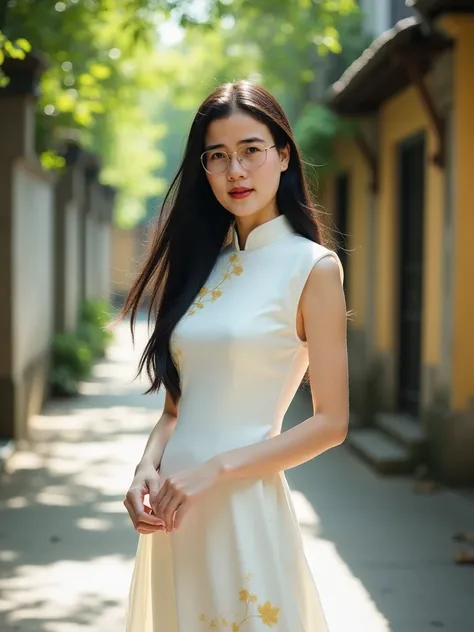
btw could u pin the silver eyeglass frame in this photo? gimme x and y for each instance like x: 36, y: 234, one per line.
x: 229, y: 155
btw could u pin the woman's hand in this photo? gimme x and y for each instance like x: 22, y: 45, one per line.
x: 146, y: 481
x: 182, y: 489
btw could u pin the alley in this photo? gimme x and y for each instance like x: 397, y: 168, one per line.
x: 382, y: 555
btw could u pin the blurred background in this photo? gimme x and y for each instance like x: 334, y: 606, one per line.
x: 96, y: 100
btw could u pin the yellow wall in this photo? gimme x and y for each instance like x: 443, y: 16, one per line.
x: 352, y: 162
x: 402, y: 117
x: 462, y: 28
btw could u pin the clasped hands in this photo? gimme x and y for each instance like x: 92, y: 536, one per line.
x: 170, y: 499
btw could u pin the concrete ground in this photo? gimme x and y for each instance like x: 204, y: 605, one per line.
x: 382, y: 555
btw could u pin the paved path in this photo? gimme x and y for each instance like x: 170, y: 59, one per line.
x: 382, y: 555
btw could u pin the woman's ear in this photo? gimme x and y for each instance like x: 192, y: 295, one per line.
x: 285, y: 157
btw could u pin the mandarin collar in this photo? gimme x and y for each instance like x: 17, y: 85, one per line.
x: 264, y: 234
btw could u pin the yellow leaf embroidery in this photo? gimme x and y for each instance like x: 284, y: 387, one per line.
x: 243, y: 595
x: 208, y: 295
x: 268, y: 614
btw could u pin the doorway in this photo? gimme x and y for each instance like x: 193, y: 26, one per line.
x: 411, y: 202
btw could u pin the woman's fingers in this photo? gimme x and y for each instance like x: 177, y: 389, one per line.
x: 130, y: 510
x: 161, y: 522
x: 171, y: 508
x: 146, y: 529
x: 161, y: 494
x: 179, y: 515
x: 137, y: 510
x: 160, y: 508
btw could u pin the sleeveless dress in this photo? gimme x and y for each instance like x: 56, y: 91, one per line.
x: 237, y: 562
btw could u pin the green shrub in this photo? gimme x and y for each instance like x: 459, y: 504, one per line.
x: 74, y: 353
x: 72, y: 362
x: 92, y: 328
x: 95, y: 311
x: 93, y: 337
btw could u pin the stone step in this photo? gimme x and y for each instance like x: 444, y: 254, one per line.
x: 385, y: 454
x: 404, y: 429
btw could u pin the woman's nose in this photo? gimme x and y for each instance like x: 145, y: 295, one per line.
x: 235, y: 168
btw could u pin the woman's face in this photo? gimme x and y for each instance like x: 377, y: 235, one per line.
x: 258, y: 186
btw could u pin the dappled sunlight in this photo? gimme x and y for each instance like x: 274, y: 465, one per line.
x: 347, y: 603
x: 25, y: 461
x: 103, y: 464
x: 8, y: 556
x: 71, y: 545
x: 56, y: 496
x: 110, y: 506
x: 16, y: 503
x: 49, y: 596
x: 94, y: 524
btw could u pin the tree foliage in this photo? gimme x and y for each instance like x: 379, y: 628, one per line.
x: 101, y: 60
x: 115, y: 86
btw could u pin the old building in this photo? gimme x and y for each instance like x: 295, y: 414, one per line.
x: 402, y: 196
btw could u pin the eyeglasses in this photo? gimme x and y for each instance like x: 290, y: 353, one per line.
x: 216, y: 161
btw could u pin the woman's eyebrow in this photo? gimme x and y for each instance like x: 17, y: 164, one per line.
x: 253, y: 139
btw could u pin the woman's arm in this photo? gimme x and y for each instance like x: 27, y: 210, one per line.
x: 323, y: 309
x: 160, y: 435
x: 146, y: 480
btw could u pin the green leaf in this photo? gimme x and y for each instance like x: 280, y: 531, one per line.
x: 23, y: 44
x: 66, y: 102
x: 86, y: 80
x: 83, y: 116
x: 2, y: 57
x: 52, y: 161
x: 13, y: 51
x: 99, y: 71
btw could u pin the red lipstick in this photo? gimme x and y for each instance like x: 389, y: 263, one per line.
x: 240, y: 192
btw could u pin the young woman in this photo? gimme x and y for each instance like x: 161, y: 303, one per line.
x: 244, y: 296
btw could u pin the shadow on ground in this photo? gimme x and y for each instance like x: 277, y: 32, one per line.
x: 66, y: 543
x: 382, y: 554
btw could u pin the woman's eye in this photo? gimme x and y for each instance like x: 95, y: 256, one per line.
x: 217, y: 156
x: 253, y: 149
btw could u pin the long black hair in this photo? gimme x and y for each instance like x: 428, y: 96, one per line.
x: 193, y: 227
